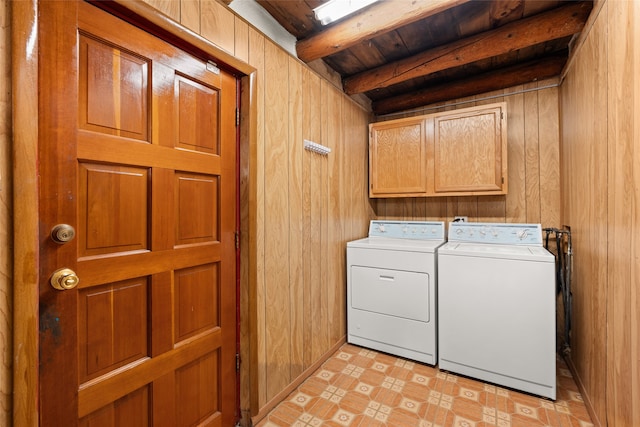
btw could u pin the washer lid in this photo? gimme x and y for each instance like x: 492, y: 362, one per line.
x: 387, y: 243
x: 519, y: 252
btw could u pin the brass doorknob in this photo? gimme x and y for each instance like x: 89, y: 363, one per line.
x: 64, y: 279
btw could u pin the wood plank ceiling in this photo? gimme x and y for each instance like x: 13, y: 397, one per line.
x: 404, y: 54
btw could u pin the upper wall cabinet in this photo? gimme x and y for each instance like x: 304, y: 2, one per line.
x: 398, y: 158
x: 453, y: 153
x: 470, y: 150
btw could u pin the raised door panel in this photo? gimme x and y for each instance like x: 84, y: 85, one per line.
x: 196, y: 208
x: 469, y: 150
x: 197, y: 116
x: 397, y: 158
x: 112, y: 205
x: 131, y: 410
x: 113, y: 89
x: 196, y: 301
x: 112, y: 327
x: 197, y: 392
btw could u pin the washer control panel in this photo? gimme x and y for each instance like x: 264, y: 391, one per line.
x: 419, y: 230
x: 498, y: 233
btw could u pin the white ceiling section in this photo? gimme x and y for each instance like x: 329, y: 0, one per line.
x: 257, y: 16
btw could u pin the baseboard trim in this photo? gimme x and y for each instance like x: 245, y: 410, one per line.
x: 583, y: 392
x: 278, y: 398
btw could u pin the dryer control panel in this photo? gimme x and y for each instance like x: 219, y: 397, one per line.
x: 496, y: 233
x: 423, y: 230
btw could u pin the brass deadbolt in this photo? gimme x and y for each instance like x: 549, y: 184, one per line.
x: 63, y: 233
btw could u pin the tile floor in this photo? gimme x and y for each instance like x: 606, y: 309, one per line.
x: 359, y: 387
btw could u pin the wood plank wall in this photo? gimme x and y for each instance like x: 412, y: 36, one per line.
x: 298, y: 208
x: 6, y: 228
x: 600, y: 105
x: 533, y: 164
x: 308, y: 207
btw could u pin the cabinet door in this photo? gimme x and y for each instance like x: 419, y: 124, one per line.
x: 470, y: 151
x: 397, y: 158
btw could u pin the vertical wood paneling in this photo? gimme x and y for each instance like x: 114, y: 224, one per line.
x: 168, y: 7
x: 349, y: 163
x: 409, y: 208
x: 467, y: 206
x: 452, y: 208
x: 315, y: 254
x: 322, y: 186
x: 363, y: 139
x: 491, y: 207
x: 335, y: 238
x: 217, y: 24
x: 634, y: 323
x: 310, y: 300
x: 436, y: 209
x: 276, y: 177
x: 241, y: 41
x: 532, y: 153
x: 256, y: 171
x: 356, y: 141
x: 549, y: 127
x: 5, y: 217
x: 307, y: 127
x: 516, y: 200
x: 190, y: 14
x: 623, y: 355
x: 296, y: 217
x: 620, y: 203
x: 584, y: 154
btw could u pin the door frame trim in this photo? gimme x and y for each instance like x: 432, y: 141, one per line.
x: 24, y: 107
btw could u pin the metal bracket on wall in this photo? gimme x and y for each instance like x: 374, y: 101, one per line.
x: 316, y: 148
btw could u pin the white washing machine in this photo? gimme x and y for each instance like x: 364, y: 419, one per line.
x: 496, y: 302
x: 391, y: 288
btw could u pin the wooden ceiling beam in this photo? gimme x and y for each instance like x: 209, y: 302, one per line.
x: 511, y: 76
x: 376, y: 20
x: 295, y: 15
x: 561, y: 22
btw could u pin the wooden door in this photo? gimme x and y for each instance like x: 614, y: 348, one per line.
x: 137, y: 152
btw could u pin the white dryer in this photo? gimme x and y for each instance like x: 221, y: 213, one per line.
x: 391, y: 288
x: 496, y: 302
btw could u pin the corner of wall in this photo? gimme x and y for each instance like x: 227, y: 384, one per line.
x: 255, y: 14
